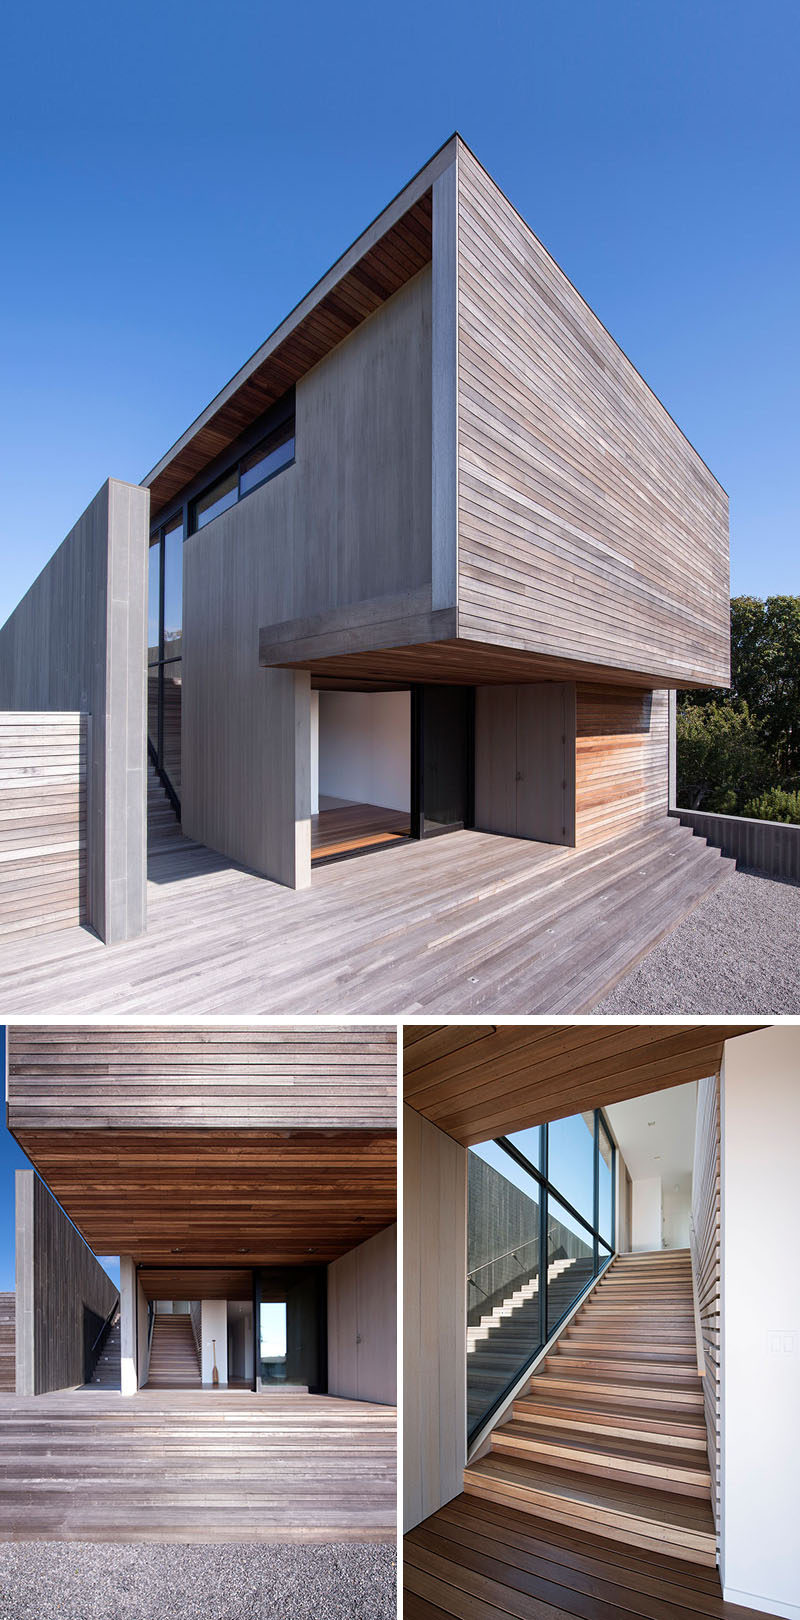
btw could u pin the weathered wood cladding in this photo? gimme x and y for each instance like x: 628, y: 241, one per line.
x: 8, y: 1373
x: 349, y: 522
x: 43, y: 767
x: 705, y: 1247
x: 621, y: 760
x: 63, y: 1293
x: 588, y: 526
x: 115, y: 1078
x: 77, y: 642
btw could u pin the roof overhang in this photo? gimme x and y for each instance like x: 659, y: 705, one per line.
x: 475, y: 1082
x: 388, y: 253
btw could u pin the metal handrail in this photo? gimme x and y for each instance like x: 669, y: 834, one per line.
x: 487, y: 1263
x: 106, y: 1326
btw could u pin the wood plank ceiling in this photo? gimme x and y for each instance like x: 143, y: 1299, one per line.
x: 479, y: 1081
x: 403, y: 250
x: 217, y: 1197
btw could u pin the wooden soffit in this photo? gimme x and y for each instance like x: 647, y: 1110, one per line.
x: 220, y: 1198
x: 393, y: 249
x: 479, y: 1081
x: 197, y: 1282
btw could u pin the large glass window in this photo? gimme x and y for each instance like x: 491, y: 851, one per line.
x: 541, y: 1215
x: 264, y: 461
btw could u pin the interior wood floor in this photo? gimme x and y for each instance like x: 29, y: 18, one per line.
x: 342, y: 827
x: 476, y: 1561
x: 202, y: 1466
x: 466, y: 923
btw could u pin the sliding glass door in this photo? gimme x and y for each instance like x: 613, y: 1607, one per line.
x: 442, y: 759
x: 540, y: 1228
x: 290, y: 1319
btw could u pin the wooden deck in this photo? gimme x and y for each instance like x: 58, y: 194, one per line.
x: 474, y: 1560
x: 467, y: 923
x: 207, y: 1466
x: 342, y: 827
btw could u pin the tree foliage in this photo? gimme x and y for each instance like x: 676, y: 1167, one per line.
x: 741, y: 747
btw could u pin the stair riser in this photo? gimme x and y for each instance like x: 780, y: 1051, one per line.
x: 622, y: 1428
x: 642, y: 1477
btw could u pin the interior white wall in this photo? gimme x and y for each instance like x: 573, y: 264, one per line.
x: 365, y: 747
x: 214, y: 1320
x: 646, y: 1213
x: 128, y: 1380
x: 314, y: 753
x: 676, y: 1210
x: 760, y: 1131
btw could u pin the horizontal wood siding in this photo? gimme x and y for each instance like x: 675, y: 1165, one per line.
x: 7, y: 1343
x: 118, y: 1078
x: 705, y: 1246
x: 621, y: 762
x: 588, y: 526
x: 43, y: 766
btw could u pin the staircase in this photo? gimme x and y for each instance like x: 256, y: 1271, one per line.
x: 507, y: 1336
x: 174, y: 1362
x: 106, y: 1373
x: 8, y: 1343
x: 163, y: 826
x: 609, y: 1434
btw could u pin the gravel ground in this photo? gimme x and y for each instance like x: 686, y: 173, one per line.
x: 87, y: 1581
x: 739, y: 952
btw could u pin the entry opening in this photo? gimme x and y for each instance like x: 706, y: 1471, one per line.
x: 360, y: 772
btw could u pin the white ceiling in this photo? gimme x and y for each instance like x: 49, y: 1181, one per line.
x: 656, y: 1133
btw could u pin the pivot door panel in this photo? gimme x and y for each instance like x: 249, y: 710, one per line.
x: 525, y: 761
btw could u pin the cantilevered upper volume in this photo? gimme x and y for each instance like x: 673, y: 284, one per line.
x: 430, y: 561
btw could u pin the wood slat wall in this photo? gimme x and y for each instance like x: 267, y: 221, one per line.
x: 8, y: 1376
x: 100, y: 1077
x: 43, y: 768
x: 588, y: 526
x: 621, y: 761
x: 362, y: 1321
x: 705, y: 1246
x: 63, y: 1293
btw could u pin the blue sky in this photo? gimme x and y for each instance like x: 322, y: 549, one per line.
x: 177, y: 176
x: 12, y: 1158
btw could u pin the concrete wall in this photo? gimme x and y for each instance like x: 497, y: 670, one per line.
x: 434, y: 1317
x: 769, y: 846
x: 365, y: 747
x: 351, y: 520
x: 760, y: 1129
x: 77, y: 641
x: 646, y: 1214
x: 362, y: 1321
x: 63, y: 1293
x: 214, y: 1340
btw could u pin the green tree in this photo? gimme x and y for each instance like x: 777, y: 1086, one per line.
x: 765, y: 675
x: 720, y: 756
x: 776, y: 805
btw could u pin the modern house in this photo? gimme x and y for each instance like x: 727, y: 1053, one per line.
x: 601, y: 1319
x: 432, y: 562
x: 246, y: 1180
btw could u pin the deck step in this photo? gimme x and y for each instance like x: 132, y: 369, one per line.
x: 648, y: 1464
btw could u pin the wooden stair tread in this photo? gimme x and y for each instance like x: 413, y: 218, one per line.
x: 678, y: 1458
x: 661, y: 1508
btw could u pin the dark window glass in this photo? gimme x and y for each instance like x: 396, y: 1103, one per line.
x: 221, y: 495
x: 267, y: 458
x: 171, y: 735
x: 173, y: 588
x: 153, y: 601
x: 153, y: 679
x: 446, y: 754
x: 502, y: 1275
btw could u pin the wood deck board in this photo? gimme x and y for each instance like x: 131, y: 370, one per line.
x: 475, y: 1560
x: 449, y: 923
x: 350, y: 827
x: 183, y: 1465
